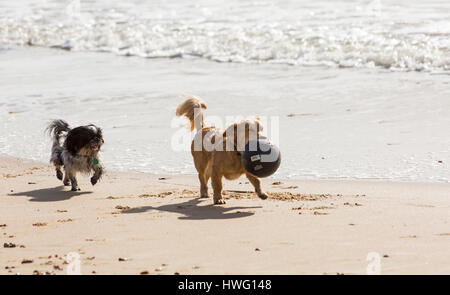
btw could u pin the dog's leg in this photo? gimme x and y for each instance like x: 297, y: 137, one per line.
x: 207, y: 176
x: 73, y: 180
x: 66, y: 180
x: 257, y: 184
x: 98, y: 171
x: 201, y: 164
x: 217, y: 187
x: 59, y: 173
x: 203, y: 185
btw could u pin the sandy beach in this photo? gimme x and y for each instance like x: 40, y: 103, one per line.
x: 132, y: 223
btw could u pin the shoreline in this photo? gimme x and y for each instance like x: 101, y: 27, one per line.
x: 264, y: 180
x: 132, y: 223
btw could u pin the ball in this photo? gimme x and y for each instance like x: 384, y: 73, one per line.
x: 261, y: 158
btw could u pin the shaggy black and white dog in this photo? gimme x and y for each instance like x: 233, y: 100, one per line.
x: 76, y: 150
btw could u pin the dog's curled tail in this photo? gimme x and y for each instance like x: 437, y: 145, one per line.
x: 192, y: 108
x: 56, y: 128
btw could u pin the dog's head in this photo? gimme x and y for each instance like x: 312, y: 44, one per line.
x: 242, y: 132
x: 84, y: 140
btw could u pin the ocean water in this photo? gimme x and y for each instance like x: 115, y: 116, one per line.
x: 348, y: 89
x: 395, y: 34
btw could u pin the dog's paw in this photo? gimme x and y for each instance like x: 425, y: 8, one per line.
x: 59, y: 174
x: 66, y: 183
x: 94, y: 180
x: 204, y: 196
x: 263, y: 196
x: 76, y: 189
x: 219, y: 202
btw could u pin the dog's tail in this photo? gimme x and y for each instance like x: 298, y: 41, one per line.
x: 192, y: 108
x: 56, y: 129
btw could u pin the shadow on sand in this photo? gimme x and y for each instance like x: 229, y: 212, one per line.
x: 49, y: 194
x: 192, y: 211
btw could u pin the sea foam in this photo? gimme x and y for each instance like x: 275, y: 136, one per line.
x: 394, y: 35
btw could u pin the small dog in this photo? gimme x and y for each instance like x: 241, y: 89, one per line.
x: 77, y: 150
x: 224, y: 158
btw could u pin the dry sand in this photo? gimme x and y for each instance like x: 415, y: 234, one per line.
x: 131, y: 223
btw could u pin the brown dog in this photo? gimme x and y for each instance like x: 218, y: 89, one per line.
x: 217, y: 153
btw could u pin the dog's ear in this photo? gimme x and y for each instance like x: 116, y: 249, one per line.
x: 75, y: 142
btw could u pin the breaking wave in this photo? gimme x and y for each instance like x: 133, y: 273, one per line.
x: 354, y: 34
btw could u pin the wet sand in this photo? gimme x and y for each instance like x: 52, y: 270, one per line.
x: 132, y: 223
